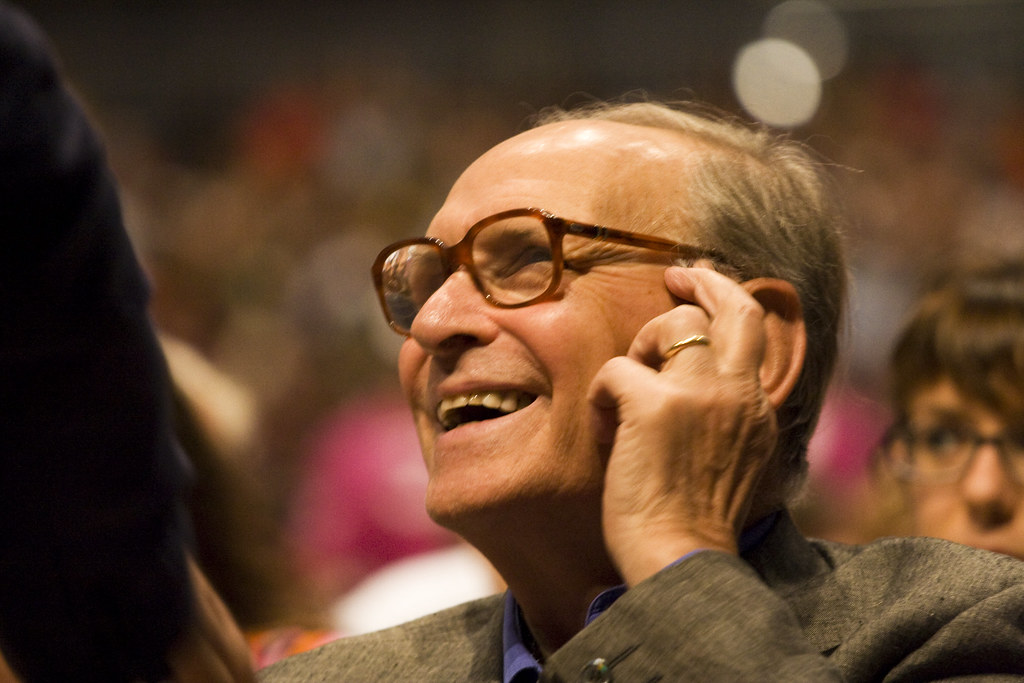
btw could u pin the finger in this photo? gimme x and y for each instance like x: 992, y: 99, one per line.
x: 653, y: 344
x: 694, y: 340
x: 617, y: 380
x: 736, y: 319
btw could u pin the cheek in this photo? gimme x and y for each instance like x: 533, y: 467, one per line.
x: 411, y: 364
x: 626, y: 313
x: 411, y: 361
x: 572, y: 348
x: 933, y: 508
x: 617, y: 311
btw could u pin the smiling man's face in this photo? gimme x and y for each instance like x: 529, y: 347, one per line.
x: 536, y: 362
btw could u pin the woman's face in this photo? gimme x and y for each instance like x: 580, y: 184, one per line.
x: 984, y: 506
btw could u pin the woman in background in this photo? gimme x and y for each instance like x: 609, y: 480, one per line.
x: 956, y: 448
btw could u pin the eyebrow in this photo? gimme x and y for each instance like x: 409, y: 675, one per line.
x: 939, y: 412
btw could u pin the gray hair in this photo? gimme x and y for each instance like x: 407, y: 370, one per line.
x: 763, y: 201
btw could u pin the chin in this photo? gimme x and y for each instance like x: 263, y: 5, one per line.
x: 473, y: 520
x: 984, y: 542
x: 487, y: 504
x: 1000, y: 549
x: 454, y: 505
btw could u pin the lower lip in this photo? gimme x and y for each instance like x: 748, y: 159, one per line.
x: 475, y: 429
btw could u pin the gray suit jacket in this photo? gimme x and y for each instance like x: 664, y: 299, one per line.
x: 795, y: 610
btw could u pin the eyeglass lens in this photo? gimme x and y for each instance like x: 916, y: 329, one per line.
x: 410, y: 275
x: 511, y: 261
x: 943, y: 453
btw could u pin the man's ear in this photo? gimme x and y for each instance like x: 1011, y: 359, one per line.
x: 785, y: 336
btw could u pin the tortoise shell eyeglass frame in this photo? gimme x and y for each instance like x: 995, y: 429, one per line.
x: 460, y: 255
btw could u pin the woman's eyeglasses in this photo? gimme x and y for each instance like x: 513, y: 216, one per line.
x: 942, y: 454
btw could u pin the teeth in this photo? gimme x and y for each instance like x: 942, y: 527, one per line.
x: 506, y: 402
x: 509, y: 404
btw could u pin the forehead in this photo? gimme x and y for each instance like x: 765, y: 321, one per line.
x: 592, y: 171
x: 942, y: 399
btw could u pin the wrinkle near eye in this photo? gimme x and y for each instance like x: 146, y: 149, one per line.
x: 584, y: 258
x: 590, y: 250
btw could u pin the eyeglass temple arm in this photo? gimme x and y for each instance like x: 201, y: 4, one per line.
x: 600, y: 232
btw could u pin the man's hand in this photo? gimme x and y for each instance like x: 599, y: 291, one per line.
x: 690, y: 436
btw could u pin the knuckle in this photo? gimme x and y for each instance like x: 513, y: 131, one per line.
x: 748, y: 308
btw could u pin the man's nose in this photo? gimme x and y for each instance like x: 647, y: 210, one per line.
x: 456, y: 314
x: 988, y: 489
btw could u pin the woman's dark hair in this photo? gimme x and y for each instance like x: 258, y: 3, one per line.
x: 969, y: 329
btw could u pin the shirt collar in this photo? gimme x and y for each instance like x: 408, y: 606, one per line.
x: 520, y: 666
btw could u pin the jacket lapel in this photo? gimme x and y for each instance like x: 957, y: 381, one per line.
x: 802, y: 575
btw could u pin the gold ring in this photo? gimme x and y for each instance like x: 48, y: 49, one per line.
x: 692, y: 340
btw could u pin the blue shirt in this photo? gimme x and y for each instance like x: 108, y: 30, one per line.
x: 520, y: 666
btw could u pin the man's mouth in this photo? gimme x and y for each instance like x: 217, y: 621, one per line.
x: 461, y: 409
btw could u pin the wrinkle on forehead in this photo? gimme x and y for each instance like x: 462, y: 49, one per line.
x: 598, y: 171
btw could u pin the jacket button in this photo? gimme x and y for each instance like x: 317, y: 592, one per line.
x: 596, y: 671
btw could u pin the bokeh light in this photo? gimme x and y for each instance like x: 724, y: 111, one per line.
x: 777, y: 82
x: 815, y: 27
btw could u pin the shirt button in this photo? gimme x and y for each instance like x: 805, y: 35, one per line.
x: 596, y: 671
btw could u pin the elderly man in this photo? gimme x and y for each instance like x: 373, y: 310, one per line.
x: 619, y: 330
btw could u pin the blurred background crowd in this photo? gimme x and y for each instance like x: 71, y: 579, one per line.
x: 267, y: 150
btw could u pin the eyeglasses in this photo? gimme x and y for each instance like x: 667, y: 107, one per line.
x: 515, y: 258
x: 942, y: 454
